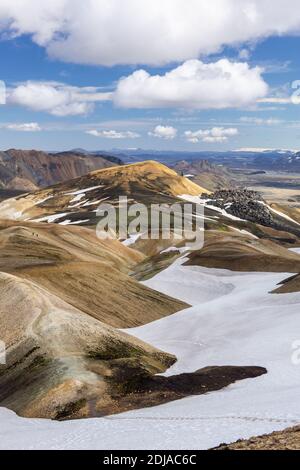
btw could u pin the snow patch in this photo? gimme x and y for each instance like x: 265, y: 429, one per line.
x: 77, y: 198
x: 244, y: 232
x: 204, y: 202
x: 132, y: 239
x: 83, y: 191
x: 41, y: 201
x: 281, y: 214
x: 51, y: 218
x: 77, y: 222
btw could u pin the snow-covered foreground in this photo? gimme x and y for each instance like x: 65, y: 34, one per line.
x: 234, y: 321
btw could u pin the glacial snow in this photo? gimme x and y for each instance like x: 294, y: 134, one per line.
x: 234, y: 320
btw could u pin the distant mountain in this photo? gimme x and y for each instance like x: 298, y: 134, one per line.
x: 248, y: 158
x: 28, y: 170
x: 279, y: 161
x: 205, y: 173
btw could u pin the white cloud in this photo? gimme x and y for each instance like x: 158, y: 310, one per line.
x: 164, y: 132
x: 261, y: 121
x: 214, y: 135
x: 55, y: 98
x: 109, y: 32
x: 193, y: 85
x: 24, y: 127
x: 112, y: 134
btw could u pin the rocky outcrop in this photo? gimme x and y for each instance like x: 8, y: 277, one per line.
x: 248, y: 205
x: 244, y: 204
x: 288, y: 286
x: 281, y: 440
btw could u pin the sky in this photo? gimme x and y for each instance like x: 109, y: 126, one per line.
x: 106, y: 74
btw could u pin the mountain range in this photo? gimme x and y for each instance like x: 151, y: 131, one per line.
x: 268, y: 159
x: 27, y: 170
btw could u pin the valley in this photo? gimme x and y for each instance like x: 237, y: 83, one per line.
x: 134, y: 332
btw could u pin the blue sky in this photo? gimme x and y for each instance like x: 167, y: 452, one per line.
x: 58, y: 103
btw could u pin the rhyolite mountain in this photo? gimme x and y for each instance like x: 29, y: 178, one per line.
x: 28, y: 170
x: 76, y: 201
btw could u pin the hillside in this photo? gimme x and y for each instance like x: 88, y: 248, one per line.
x: 28, y: 170
x: 60, y: 361
x: 244, y: 254
x: 90, y: 274
x: 206, y: 174
x: 76, y: 201
x: 63, y: 294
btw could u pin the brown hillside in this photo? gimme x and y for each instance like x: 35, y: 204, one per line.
x: 90, y: 274
x: 30, y: 169
x: 77, y: 200
x: 238, y: 253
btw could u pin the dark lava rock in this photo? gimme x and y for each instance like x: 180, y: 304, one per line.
x: 244, y: 204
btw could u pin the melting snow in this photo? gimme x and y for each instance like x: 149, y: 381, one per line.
x: 132, y: 239
x: 43, y: 200
x: 83, y: 191
x: 244, y: 232
x: 234, y: 321
x: 77, y: 198
x: 79, y: 204
x: 77, y: 222
x: 93, y: 203
x: 51, y: 218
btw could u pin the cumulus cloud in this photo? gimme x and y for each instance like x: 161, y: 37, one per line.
x: 193, y: 85
x: 55, y: 98
x: 24, y: 127
x: 112, y: 134
x: 164, y: 132
x: 261, y: 121
x: 214, y: 135
x: 109, y: 32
